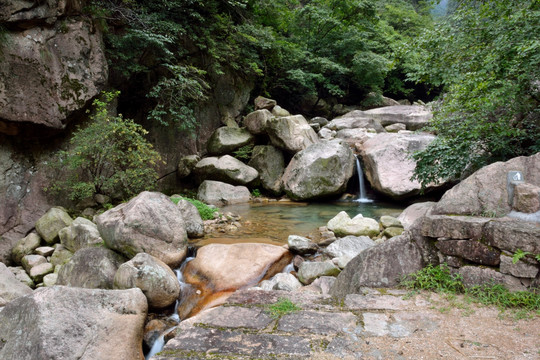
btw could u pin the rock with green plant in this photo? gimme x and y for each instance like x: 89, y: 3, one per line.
x: 49, y: 225
x: 81, y: 233
x: 321, y: 170
x: 225, y: 140
x: 193, y: 216
x: 149, y: 223
x: 25, y: 246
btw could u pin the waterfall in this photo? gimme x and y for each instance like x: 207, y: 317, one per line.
x: 362, y: 196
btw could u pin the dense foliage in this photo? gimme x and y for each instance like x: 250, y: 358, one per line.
x: 486, y: 54
x: 110, y: 156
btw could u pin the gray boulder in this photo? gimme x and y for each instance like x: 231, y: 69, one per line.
x: 387, y: 163
x: 82, y: 233
x: 270, y: 164
x: 157, y: 281
x: 25, y: 246
x: 10, y: 287
x: 72, y: 323
x: 473, y: 276
x: 379, y: 266
x: 291, y: 133
x: 486, y: 191
x: 227, y: 169
x: 321, y: 170
x: 186, y: 164
x: 226, y: 139
x: 281, y: 281
x: 355, y: 120
x: 256, y: 121
x: 311, y: 270
x: 513, y: 235
x: 38, y: 272
x: 414, y: 212
x: 29, y: 261
x: 220, y: 194
x: 278, y: 111
x: 413, y: 116
x: 92, y: 268
x: 301, y: 245
x: 149, y: 223
x: 264, y: 103
x: 192, y: 219
x: 471, y: 250
x: 49, y: 225
x: 349, y: 246
x: 343, y: 225
x: 61, y: 255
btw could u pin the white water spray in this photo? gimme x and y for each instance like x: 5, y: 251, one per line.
x: 362, y: 197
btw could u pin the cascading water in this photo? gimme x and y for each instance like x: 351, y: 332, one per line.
x: 362, y: 196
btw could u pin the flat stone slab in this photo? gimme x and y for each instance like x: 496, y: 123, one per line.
x: 235, y: 317
x: 381, y: 302
x: 317, y: 322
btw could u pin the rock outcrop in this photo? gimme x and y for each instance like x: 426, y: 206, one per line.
x: 73, y: 323
x: 413, y: 116
x: 151, y: 223
x: 291, y: 133
x: 226, y: 139
x: 321, y: 170
x: 220, y: 194
x: 270, y: 163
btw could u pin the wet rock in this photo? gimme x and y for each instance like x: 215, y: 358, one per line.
x: 387, y: 163
x: 10, y: 287
x: 308, y: 271
x: 192, y: 219
x: 257, y: 121
x: 454, y: 227
x: 264, y: 103
x: 471, y: 250
x: 25, y: 246
x: 520, y: 269
x: 349, y: 246
x: 226, y: 139
x: 227, y: 169
x: 291, y: 133
x: 379, y: 266
x: 281, y: 281
x: 301, y: 245
x: 80, y: 234
x: 92, y: 268
x: 50, y: 224
x: 157, y: 281
x: 220, y: 194
x: 486, y: 191
x: 149, y: 223
x: 414, y: 212
x: 270, y: 164
x: 102, y: 324
x: 513, y: 235
x: 413, y: 116
x: 321, y: 170
x: 186, y: 165
x: 343, y: 225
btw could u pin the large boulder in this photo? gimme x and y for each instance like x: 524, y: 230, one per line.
x: 151, y: 223
x: 157, y: 281
x: 349, y: 246
x: 513, y: 235
x: 256, y: 121
x: 220, y: 194
x: 25, y: 246
x: 49, y: 72
x: 308, y: 271
x: 343, y: 225
x: 226, y: 139
x: 82, y: 233
x: 321, y: 170
x: 270, y: 164
x: 355, y: 120
x: 414, y: 212
x: 291, y: 133
x: 92, y: 268
x: 387, y: 163
x: 486, y: 191
x: 10, y: 287
x: 192, y: 219
x: 413, y: 116
x: 49, y: 225
x: 227, y: 169
x: 72, y: 323
x: 380, y: 266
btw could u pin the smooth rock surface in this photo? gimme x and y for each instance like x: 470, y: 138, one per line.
x: 387, y: 164
x: 291, y: 133
x: 81, y: 233
x: 227, y: 169
x: 226, y: 139
x: 72, y: 323
x: 413, y: 116
x: 414, y: 212
x: 473, y: 275
x: 151, y: 223
x: 521, y: 269
x: 256, y: 121
x: 356, y: 119
x: 10, y: 287
x: 349, y: 246
x: 301, y: 245
x: 526, y: 198
x: 343, y: 225
x: 321, y: 170
x: 281, y: 281
x: 156, y: 280
x: 49, y: 225
x: 92, y: 268
x: 454, y: 227
x: 220, y: 194
x: 311, y: 270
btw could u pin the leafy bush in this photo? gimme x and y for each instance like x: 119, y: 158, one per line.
x: 109, y: 156
x: 243, y: 153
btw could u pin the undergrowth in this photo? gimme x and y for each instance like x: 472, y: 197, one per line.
x: 282, y: 307
x: 206, y: 212
x: 440, y: 279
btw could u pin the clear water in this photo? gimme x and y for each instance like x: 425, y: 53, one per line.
x: 273, y: 222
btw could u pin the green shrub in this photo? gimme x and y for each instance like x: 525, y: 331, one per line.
x: 108, y: 156
x: 282, y: 307
x: 206, y: 212
x: 243, y: 153
x: 256, y: 193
